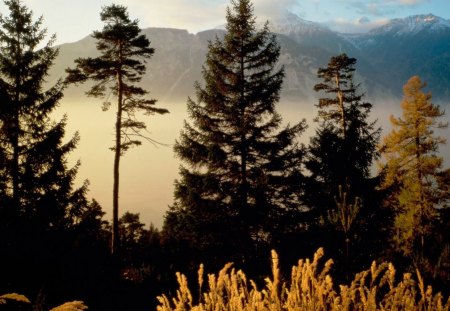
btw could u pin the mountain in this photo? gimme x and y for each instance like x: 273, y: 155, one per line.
x: 416, y: 45
x: 387, y: 56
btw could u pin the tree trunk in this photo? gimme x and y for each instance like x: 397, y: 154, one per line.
x: 15, y: 162
x: 245, y: 212
x: 115, y: 229
x: 15, y: 145
x: 340, y: 97
x: 421, y: 191
x: 115, y: 241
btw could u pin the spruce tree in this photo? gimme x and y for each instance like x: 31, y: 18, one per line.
x: 35, y: 177
x: 117, y: 71
x: 38, y: 201
x: 239, y: 182
x: 412, y: 169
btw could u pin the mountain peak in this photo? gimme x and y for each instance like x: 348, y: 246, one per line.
x: 413, y: 24
x: 291, y: 24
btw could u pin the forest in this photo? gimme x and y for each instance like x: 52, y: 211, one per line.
x: 251, y: 203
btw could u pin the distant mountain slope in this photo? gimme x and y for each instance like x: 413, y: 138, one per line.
x: 417, y: 45
x: 387, y: 56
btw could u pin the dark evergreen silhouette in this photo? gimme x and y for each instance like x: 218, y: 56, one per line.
x: 133, y: 238
x: 343, y: 120
x: 240, y: 183
x: 241, y: 189
x: 116, y: 72
x: 42, y: 212
x: 33, y: 153
x: 340, y: 157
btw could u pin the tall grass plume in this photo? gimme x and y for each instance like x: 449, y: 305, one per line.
x: 310, y: 287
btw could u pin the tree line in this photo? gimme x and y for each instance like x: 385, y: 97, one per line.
x: 246, y: 184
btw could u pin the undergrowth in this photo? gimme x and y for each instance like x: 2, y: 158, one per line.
x: 310, y: 288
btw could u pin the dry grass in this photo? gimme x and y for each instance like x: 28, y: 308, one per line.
x: 310, y: 288
x: 71, y: 306
x: 14, y: 297
x: 15, y: 301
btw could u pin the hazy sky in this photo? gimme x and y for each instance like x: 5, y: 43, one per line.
x: 73, y: 20
x: 147, y: 187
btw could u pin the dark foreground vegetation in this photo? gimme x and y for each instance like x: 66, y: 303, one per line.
x: 246, y: 184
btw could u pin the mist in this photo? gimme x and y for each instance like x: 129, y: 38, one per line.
x: 148, y: 172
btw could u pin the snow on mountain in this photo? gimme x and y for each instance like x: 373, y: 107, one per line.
x: 291, y: 24
x: 385, y: 59
x: 413, y: 25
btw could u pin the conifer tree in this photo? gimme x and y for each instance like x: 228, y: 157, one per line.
x: 240, y: 179
x: 118, y: 69
x: 35, y: 175
x: 38, y: 202
x: 344, y: 146
x: 412, y: 168
x: 341, y: 153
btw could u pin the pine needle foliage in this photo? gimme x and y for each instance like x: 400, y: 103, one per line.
x: 345, y: 144
x: 35, y: 176
x: 240, y: 176
x: 40, y: 205
x: 116, y: 73
x: 340, y: 157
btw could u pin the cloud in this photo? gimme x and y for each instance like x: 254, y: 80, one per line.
x: 194, y: 15
x: 380, y: 7
x: 411, y: 2
x: 360, y: 25
x: 197, y: 15
x: 268, y: 9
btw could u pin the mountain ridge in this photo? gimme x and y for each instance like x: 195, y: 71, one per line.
x: 386, y: 56
x: 383, y: 67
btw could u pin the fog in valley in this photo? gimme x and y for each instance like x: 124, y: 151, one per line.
x: 148, y: 172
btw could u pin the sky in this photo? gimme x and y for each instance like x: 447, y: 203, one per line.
x: 73, y: 20
x: 147, y: 188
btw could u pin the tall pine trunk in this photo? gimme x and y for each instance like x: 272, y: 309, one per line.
x: 121, y: 65
x: 15, y: 145
x: 15, y: 162
x: 117, y: 154
x: 115, y: 229
x: 15, y: 134
x: 244, y: 190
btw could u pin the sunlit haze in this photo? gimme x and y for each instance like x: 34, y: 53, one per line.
x: 148, y: 172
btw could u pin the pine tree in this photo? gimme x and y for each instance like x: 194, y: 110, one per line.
x: 116, y: 72
x: 340, y: 156
x: 240, y: 181
x: 412, y: 168
x: 38, y: 202
x: 343, y: 127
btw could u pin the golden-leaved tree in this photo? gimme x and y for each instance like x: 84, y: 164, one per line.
x: 412, y: 167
